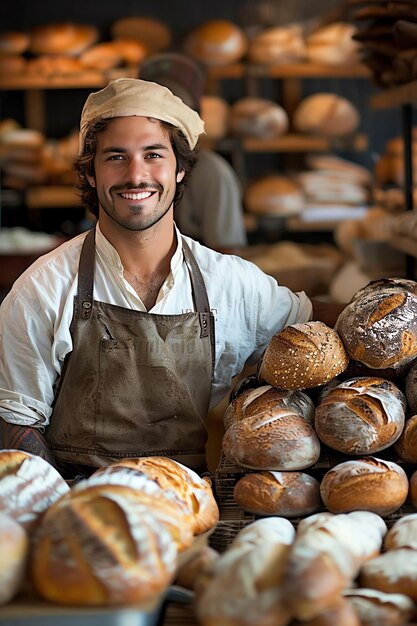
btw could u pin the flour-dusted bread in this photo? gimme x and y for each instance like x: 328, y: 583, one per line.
x: 367, y: 484
x: 14, y: 553
x: 62, y: 38
x: 269, y: 530
x: 216, y: 42
x: 376, y: 608
x: 196, y: 566
x: 28, y: 486
x: 361, y: 415
x: 258, y: 117
x: 274, y: 195
x: 282, y: 440
x: 379, y: 326
x: 195, y: 493
x: 406, y: 445
x: 402, y: 534
x: 326, y: 114
x: 277, y: 44
x: 264, y: 400
x: 394, y: 571
x: 342, y: 613
x: 107, y: 549
x: 287, y: 494
x: 303, y: 356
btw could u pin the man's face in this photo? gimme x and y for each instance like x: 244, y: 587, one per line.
x: 135, y: 173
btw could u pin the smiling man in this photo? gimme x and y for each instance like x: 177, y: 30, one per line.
x: 118, y: 343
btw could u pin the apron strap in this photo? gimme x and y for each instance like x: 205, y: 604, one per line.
x: 86, y: 274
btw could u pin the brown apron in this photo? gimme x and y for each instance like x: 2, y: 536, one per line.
x: 135, y: 383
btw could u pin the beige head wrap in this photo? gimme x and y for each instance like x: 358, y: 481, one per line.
x: 130, y: 96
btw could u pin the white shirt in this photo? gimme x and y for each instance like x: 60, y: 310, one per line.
x: 35, y: 316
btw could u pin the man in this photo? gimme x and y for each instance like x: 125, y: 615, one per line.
x: 118, y: 342
x: 211, y: 207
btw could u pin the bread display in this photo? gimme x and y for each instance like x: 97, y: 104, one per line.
x: 28, y: 486
x: 375, y: 608
x: 286, y: 494
x: 14, y: 550
x: 103, y: 550
x: 216, y: 42
x: 264, y: 400
x: 326, y: 114
x: 361, y: 416
x: 274, y: 195
x: 280, y: 440
x: 303, y: 356
x: 193, y: 493
x: 258, y: 117
x: 367, y: 484
x: 277, y: 44
x: 379, y: 326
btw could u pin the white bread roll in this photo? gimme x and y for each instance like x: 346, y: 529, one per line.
x: 215, y: 113
x: 376, y: 608
x: 394, y: 571
x: 287, y: 494
x: 379, y: 327
x: 258, y: 117
x: 28, y: 486
x: 333, y: 44
x: 402, y: 534
x: 367, y: 484
x: 264, y: 400
x: 192, y: 492
x: 108, y: 549
x: 62, y: 38
x: 282, y: 440
x: 14, y: 550
x: 361, y: 415
x: 216, y: 42
x: 274, y: 195
x: 326, y: 114
x: 406, y: 445
x: 277, y: 45
x: 303, y: 356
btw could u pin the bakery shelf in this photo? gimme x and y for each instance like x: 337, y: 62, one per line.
x: 403, y: 94
x: 291, y: 142
x: 54, y: 196
x: 87, y: 79
x: 288, y: 70
x: 405, y: 244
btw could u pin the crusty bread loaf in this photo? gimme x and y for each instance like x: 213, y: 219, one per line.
x: 332, y: 44
x: 258, y: 117
x: 104, y: 550
x: 264, y: 400
x: 379, y: 327
x: 153, y: 33
x: 271, y: 530
x: 28, y: 486
x: 406, y: 445
x: 13, y: 42
x: 273, y: 194
x: 287, y: 494
x: 413, y: 489
x: 216, y: 42
x: 303, y: 356
x: 62, y: 38
x: 193, y: 492
x: 394, y: 571
x: 277, y: 44
x: 402, y: 534
x: 326, y: 114
x: 387, y: 284
x: 102, y: 56
x: 14, y: 549
x: 280, y: 441
x: 376, y: 608
x: 361, y: 416
x: 367, y: 484
x: 341, y: 613
x: 194, y: 567
x: 411, y: 387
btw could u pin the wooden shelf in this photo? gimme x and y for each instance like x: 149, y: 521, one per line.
x: 290, y: 142
x: 396, y: 96
x: 405, y: 244
x: 86, y: 79
x: 52, y: 197
x: 288, y: 70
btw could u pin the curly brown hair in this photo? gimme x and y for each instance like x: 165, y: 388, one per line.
x: 185, y: 156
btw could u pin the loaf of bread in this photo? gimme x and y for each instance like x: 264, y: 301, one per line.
x: 13, y: 42
x: 379, y: 326
x: 277, y: 44
x: 411, y: 387
x: 14, y: 548
x: 286, y: 494
x: 326, y: 114
x: 258, y: 117
x: 154, y: 34
x: 216, y: 42
x: 28, y: 486
x: 361, y: 416
x: 303, y: 356
x: 191, y: 492
x: 413, y: 489
x: 402, y: 534
x: 282, y: 440
x: 406, y: 445
x: 375, y: 608
x: 394, y: 571
x: 270, y: 530
x: 332, y: 44
x: 264, y: 400
x: 341, y: 613
x: 197, y: 565
x: 367, y: 484
x: 62, y: 38
x: 273, y: 194
x: 107, y: 549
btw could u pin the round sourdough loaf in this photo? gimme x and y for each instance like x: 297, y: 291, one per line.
x: 216, y: 42
x: 62, y: 38
x: 14, y: 546
x: 106, y: 549
x: 264, y: 400
x: 361, y: 416
x: 375, y: 608
x: 303, y: 356
x: 258, y: 117
x: 379, y: 326
x: 277, y: 44
x: 406, y: 445
x: 280, y: 441
x: 274, y: 195
x: 367, y: 484
x: 326, y: 114
x: 287, y: 494
x: 28, y: 486
x: 190, y: 490
x: 394, y: 571
x: 402, y: 534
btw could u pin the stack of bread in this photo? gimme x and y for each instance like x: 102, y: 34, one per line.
x: 115, y: 538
